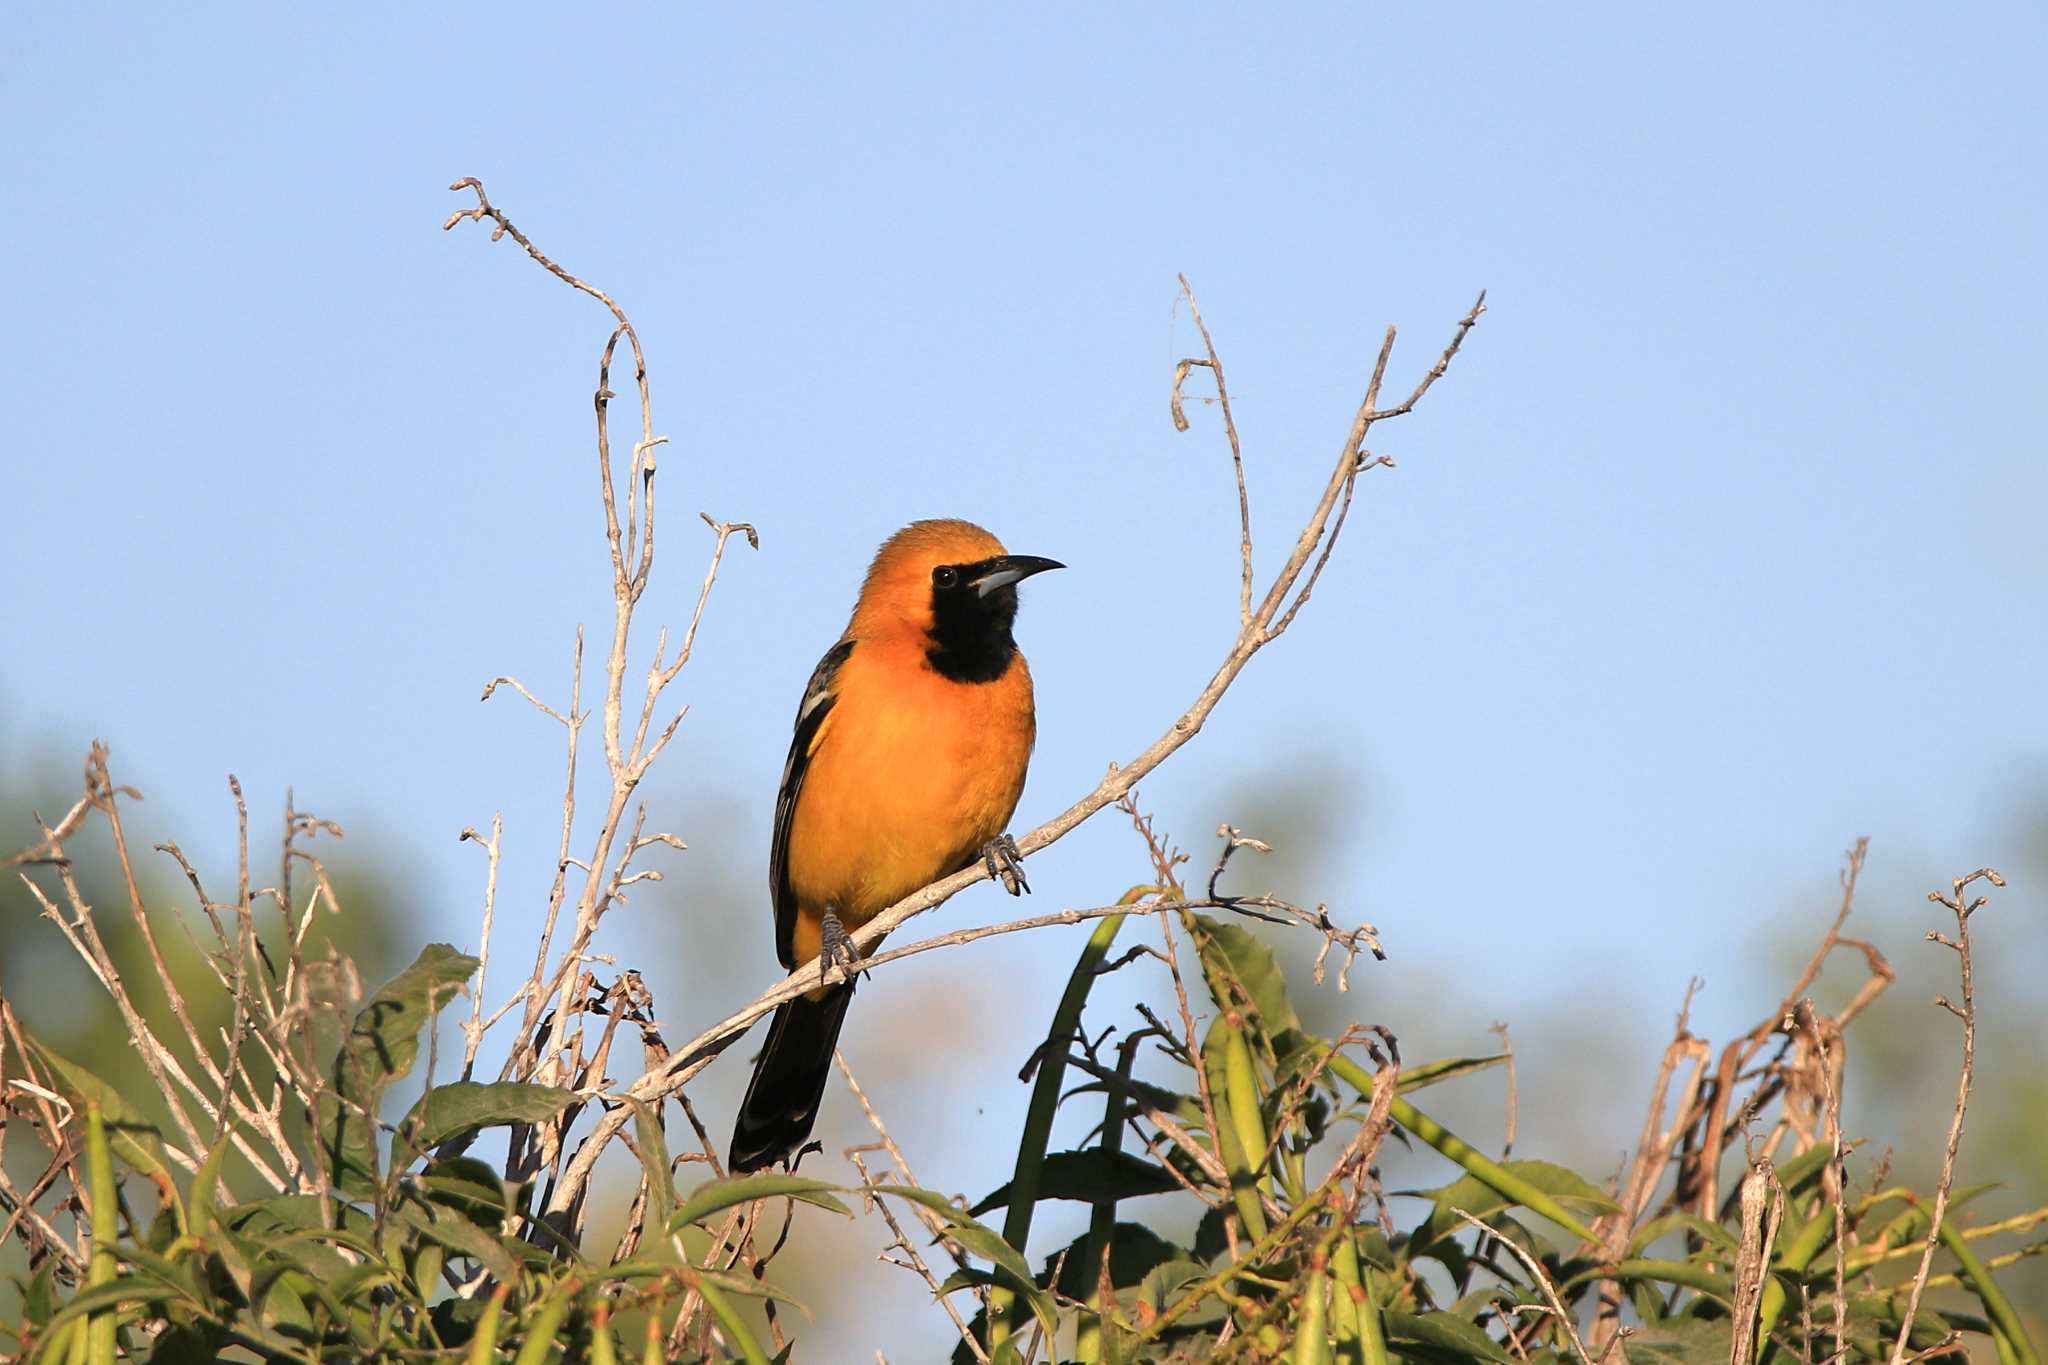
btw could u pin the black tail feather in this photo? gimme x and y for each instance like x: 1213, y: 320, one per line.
x: 789, y: 1080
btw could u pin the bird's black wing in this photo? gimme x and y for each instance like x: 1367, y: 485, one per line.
x: 819, y: 697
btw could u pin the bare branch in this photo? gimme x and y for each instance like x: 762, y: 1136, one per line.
x: 1962, y: 909
x: 475, y: 1031
x: 1244, y: 507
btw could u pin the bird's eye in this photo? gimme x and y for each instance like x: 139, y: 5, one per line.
x: 945, y: 576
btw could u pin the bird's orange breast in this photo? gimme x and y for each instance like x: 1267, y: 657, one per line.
x: 911, y: 774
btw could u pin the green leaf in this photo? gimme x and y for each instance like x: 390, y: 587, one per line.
x: 661, y: 1186
x: 1679, y: 1341
x: 380, y: 1048
x: 1716, y: 1237
x: 464, y: 1107
x: 2011, y: 1336
x: 1450, y: 1068
x: 39, y: 1300
x: 1090, y: 1176
x: 1480, y: 1199
x: 1888, y: 1311
x: 732, y: 1282
x: 469, y: 1186
x: 205, y: 1198
x: 1186, y: 1109
x: 1135, y: 1251
x: 1244, y: 955
x: 288, y: 1226
x: 1803, y: 1167
x: 125, y: 1290
x: 187, y: 1344
x: 715, y: 1196
x: 1688, y: 1273
x: 138, y: 1141
x: 309, y: 1251
x: 1036, y: 1135
x: 1447, y: 1333
x: 1164, y: 1284
x: 444, y: 1225
x: 177, y: 1277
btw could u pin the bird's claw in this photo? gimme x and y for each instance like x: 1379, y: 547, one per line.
x: 1005, y: 864
x: 835, y: 948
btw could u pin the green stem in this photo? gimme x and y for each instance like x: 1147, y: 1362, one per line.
x: 1798, y: 1254
x: 603, y: 1351
x: 65, y: 1342
x: 1045, y: 1099
x: 547, y: 1325
x: 1231, y: 1131
x: 1358, y: 1318
x: 1999, y: 1308
x: 106, y: 1228
x: 1311, y: 1340
x: 483, y: 1343
x: 735, y: 1327
x: 1246, y: 1108
x: 1088, y: 1347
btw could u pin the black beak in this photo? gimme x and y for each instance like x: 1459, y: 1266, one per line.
x: 1007, y: 569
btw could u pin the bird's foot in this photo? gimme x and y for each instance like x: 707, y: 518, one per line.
x: 1005, y: 864
x: 835, y: 948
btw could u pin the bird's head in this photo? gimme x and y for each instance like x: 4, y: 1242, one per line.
x: 954, y: 585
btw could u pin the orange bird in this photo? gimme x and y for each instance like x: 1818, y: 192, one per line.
x: 909, y: 756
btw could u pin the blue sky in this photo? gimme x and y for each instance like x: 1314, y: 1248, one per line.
x: 1720, y: 546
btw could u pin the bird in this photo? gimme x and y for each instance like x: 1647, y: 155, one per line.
x: 910, y: 751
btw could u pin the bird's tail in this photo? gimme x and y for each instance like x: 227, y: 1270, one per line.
x: 789, y: 1080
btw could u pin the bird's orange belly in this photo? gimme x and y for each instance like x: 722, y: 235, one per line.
x: 898, y: 796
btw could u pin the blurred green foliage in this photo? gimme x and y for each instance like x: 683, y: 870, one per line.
x: 408, y: 1247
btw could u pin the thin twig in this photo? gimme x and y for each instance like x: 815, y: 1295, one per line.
x: 1244, y: 507
x: 475, y: 1029
x: 1962, y: 909
x: 1543, y: 1283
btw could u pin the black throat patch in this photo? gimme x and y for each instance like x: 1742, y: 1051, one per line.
x: 970, y: 640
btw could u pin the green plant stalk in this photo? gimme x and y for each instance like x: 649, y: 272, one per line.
x: 735, y: 1326
x: 483, y: 1343
x: 1045, y: 1099
x: 1088, y: 1343
x: 1684, y: 1273
x: 1241, y: 1083
x: 602, y: 1351
x: 1230, y: 1145
x: 1798, y: 1254
x: 1502, y: 1180
x: 1863, y: 1260
x: 106, y: 1228
x: 1293, y: 1167
x: 1311, y: 1339
x: 2011, y: 1331
x: 62, y: 1343
x: 1358, y: 1318
x: 547, y: 1325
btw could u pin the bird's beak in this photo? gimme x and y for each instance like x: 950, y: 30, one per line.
x: 1004, y: 570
